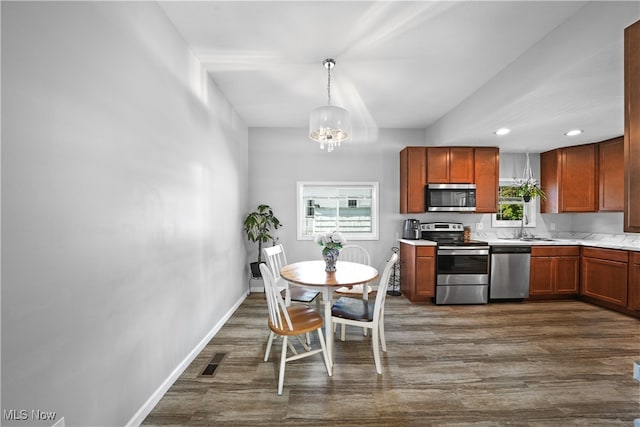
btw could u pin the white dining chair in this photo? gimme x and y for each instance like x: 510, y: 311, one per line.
x: 367, y: 314
x: 290, y: 321
x: 276, y: 259
x: 355, y: 253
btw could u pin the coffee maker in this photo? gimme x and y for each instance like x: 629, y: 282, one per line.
x: 411, y: 229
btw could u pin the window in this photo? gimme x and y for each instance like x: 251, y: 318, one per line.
x: 511, y: 206
x: 350, y: 207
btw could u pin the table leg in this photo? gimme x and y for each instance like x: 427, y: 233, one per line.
x: 328, y: 324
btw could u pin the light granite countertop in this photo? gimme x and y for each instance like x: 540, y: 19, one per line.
x: 628, y: 242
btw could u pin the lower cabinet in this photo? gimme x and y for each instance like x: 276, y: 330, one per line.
x: 554, y: 271
x: 605, y: 274
x: 634, y: 281
x: 417, y: 272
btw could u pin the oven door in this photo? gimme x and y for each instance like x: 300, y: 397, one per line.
x: 462, y: 265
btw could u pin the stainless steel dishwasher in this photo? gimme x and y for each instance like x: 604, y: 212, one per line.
x: 509, y: 272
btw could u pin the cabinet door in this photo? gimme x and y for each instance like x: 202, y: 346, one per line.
x: 425, y: 277
x: 461, y: 166
x: 550, y: 181
x: 566, y: 273
x: 634, y: 281
x: 578, y: 179
x: 611, y: 170
x: 412, y: 179
x: 541, y: 277
x: 632, y: 128
x: 487, y: 171
x: 605, y: 280
x: 437, y: 165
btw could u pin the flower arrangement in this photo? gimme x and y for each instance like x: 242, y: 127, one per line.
x: 330, y: 240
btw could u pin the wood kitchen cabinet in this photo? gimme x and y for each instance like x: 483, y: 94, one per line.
x: 417, y: 272
x: 634, y: 281
x: 413, y: 178
x: 569, y: 179
x: 611, y: 175
x: 450, y: 165
x: 604, y: 275
x: 487, y: 173
x: 554, y: 271
x: 632, y: 128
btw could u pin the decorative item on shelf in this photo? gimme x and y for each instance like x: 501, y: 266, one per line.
x: 467, y: 233
x: 258, y: 226
x: 329, y: 125
x: 332, y: 242
x: 528, y: 187
x: 394, y: 278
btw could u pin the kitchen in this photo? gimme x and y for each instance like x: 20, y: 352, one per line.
x: 125, y: 176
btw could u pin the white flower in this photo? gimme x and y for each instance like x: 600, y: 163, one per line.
x: 330, y: 239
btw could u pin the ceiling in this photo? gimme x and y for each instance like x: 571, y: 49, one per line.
x: 459, y: 70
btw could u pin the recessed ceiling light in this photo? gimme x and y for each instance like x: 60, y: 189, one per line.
x: 574, y: 132
x: 502, y: 131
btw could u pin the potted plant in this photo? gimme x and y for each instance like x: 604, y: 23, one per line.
x: 530, y: 189
x: 258, y: 226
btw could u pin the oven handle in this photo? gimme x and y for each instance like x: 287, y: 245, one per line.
x: 465, y: 251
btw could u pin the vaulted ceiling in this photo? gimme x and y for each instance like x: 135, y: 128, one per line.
x: 458, y: 69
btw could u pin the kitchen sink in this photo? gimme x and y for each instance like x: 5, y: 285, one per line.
x: 529, y: 239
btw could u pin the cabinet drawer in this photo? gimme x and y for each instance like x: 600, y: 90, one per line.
x: 425, y: 251
x: 608, y: 254
x: 555, y: 251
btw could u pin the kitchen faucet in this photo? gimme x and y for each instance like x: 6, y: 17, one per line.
x: 525, y: 220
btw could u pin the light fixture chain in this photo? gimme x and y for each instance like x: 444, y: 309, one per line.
x: 329, y: 85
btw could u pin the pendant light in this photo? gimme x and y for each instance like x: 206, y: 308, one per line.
x: 329, y: 125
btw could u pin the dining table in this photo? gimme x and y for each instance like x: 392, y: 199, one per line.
x: 312, y: 274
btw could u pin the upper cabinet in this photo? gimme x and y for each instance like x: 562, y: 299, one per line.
x: 632, y: 128
x: 583, y: 178
x: 413, y: 177
x: 487, y: 171
x: 442, y: 165
x: 568, y: 177
x: 611, y: 171
x: 453, y: 165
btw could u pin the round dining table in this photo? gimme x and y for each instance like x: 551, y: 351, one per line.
x: 312, y: 274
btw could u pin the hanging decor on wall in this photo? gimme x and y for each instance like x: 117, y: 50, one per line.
x: 329, y: 125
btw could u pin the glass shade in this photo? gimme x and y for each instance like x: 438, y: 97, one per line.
x: 329, y: 125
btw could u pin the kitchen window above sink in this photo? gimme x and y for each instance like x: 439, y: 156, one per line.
x: 511, y: 207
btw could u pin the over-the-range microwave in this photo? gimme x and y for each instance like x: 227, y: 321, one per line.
x: 450, y: 197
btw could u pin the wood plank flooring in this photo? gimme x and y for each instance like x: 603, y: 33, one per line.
x: 564, y: 363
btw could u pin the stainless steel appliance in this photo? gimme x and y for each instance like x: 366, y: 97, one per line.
x: 450, y: 197
x: 510, y: 272
x: 462, y: 267
x: 411, y: 229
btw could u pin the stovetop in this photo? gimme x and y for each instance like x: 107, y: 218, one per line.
x: 447, y: 234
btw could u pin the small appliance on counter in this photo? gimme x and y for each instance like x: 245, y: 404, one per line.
x: 411, y: 229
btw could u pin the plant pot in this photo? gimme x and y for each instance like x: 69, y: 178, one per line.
x: 526, y: 198
x: 255, y: 269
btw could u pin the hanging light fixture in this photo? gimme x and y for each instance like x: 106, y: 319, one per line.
x: 329, y: 125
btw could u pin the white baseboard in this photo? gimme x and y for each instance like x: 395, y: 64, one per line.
x: 153, y: 400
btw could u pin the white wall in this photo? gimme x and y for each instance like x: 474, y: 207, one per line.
x: 122, y: 201
x: 278, y: 158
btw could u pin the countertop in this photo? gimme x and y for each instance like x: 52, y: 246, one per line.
x: 622, y: 242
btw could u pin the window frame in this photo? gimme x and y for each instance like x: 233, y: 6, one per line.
x: 530, y: 206
x: 375, y: 214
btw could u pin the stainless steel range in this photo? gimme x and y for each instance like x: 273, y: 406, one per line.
x: 462, y: 267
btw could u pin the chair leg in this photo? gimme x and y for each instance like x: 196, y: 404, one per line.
x: 376, y: 350
x: 283, y: 361
x: 269, y: 342
x: 383, y: 341
x: 324, y: 353
x: 343, y: 331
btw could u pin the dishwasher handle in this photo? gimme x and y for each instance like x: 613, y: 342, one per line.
x: 511, y: 249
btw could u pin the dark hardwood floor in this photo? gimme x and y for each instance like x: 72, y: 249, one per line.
x: 519, y: 364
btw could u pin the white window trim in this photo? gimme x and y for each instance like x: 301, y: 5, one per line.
x: 300, y: 208
x: 531, y: 211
